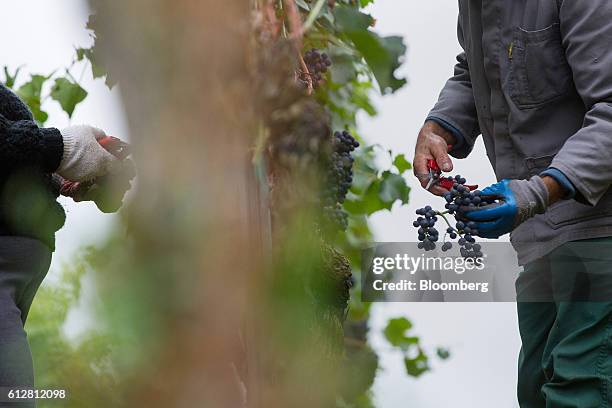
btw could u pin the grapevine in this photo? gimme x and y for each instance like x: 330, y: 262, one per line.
x: 335, y: 61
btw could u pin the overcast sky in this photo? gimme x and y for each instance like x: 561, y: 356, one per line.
x: 483, y: 338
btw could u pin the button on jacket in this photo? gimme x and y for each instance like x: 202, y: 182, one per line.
x: 535, y: 79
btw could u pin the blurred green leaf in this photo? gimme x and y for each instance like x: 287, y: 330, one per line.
x: 85, y: 366
x: 443, y: 353
x: 378, y: 193
x: 98, y: 67
x: 401, y: 164
x: 9, y: 80
x: 352, y: 20
x: 393, y: 187
x: 418, y: 365
x: 343, y: 68
x: 369, y: 202
x: 88, y: 53
x: 69, y: 94
x: 396, y: 330
x: 382, y: 54
x: 30, y: 93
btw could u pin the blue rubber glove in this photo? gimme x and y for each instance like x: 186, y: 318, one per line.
x: 519, y: 201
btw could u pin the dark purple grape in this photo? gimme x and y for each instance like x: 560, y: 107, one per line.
x: 318, y: 64
x: 338, y: 180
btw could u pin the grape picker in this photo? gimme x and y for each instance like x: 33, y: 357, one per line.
x: 30, y: 216
x: 535, y: 80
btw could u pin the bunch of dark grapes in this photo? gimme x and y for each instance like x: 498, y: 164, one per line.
x: 458, y: 200
x: 317, y: 63
x: 428, y: 235
x: 338, y: 179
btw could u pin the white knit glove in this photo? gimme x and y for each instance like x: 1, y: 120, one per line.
x: 84, y: 158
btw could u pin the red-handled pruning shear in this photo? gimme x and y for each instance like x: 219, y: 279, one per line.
x: 115, y: 146
x: 435, y: 177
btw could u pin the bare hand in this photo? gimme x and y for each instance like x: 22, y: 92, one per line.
x: 432, y: 144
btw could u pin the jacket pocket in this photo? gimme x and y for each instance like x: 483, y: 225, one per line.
x: 539, y: 72
x: 570, y: 212
x: 536, y: 165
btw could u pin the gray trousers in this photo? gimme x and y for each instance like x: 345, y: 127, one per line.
x: 24, y: 263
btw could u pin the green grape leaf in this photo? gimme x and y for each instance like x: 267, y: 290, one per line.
x: 30, y: 93
x: 97, y: 69
x: 87, y: 53
x: 401, y: 164
x: 443, y: 353
x: 367, y: 203
x: 361, y: 98
x: 69, y: 94
x: 418, y: 365
x: 382, y: 54
x: 396, y: 333
x: 371, y: 194
x: 364, y: 3
x: 9, y: 80
x: 393, y: 187
x: 343, y: 68
x: 352, y: 20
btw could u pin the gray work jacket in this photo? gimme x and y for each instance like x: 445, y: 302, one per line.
x: 535, y: 79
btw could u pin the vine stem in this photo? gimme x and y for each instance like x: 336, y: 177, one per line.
x: 272, y: 23
x: 312, y: 17
x: 84, y: 69
x: 297, y: 31
x: 307, y: 74
x: 443, y: 215
x: 295, y: 21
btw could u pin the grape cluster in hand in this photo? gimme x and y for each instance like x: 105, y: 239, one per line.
x: 318, y: 64
x: 339, y: 177
x: 458, y: 200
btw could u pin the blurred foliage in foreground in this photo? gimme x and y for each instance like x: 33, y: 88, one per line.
x: 82, y: 367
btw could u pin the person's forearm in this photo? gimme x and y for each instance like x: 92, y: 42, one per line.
x: 555, y: 191
x: 23, y: 143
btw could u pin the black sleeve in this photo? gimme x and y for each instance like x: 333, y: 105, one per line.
x: 12, y: 107
x: 23, y: 143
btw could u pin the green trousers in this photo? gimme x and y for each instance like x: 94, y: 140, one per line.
x: 565, y: 321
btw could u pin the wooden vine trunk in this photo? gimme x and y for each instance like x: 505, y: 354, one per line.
x: 186, y: 72
x: 183, y: 73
